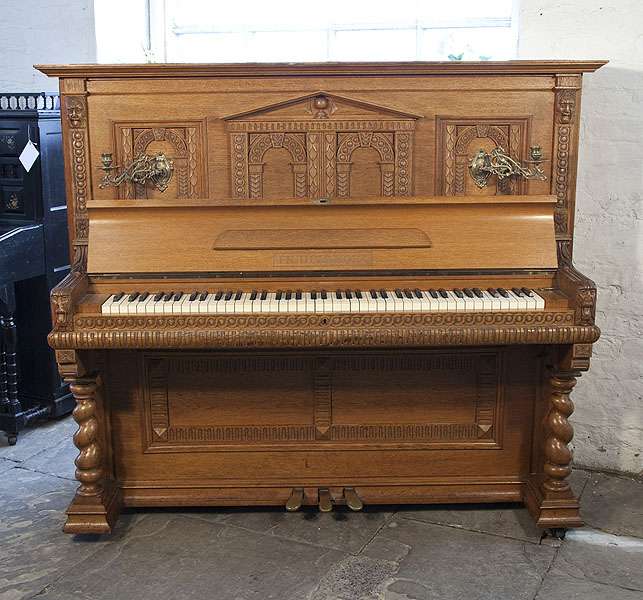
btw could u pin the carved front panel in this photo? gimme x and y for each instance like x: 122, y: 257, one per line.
x: 336, y: 401
x: 459, y: 138
x: 182, y: 142
x: 321, y: 145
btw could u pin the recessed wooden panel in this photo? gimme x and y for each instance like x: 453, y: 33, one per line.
x: 182, y: 142
x: 324, y: 401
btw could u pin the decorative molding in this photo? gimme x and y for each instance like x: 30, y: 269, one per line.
x: 320, y: 321
x: 372, y: 336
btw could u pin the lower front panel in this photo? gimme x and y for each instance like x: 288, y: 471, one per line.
x: 246, y: 428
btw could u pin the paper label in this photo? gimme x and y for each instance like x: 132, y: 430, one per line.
x: 29, y: 155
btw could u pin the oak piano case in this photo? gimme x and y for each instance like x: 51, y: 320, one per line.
x: 322, y: 284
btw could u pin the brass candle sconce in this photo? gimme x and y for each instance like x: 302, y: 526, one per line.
x: 482, y: 165
x: 158, y: 169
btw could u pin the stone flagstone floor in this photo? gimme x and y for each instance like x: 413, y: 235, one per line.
x: 392, y: 553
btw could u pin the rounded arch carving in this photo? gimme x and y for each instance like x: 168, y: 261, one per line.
x: 493, y: 133
x: 379, y: 142
x: 266, y: 141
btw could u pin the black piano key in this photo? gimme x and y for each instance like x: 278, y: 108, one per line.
x: 158, y: 296
x: 398, y: 293
x: 133, y: 296
x: 338, y: 294
x: 478, y: 293
x: 218, y: 296
x: 168, y: 296
x: 264, y: 295
x: 433, y: 293
x: 418, y: 293
x: 253, y: 295
x: 143, y: 296
x: 527, y: 291
x: 349, y: 294
x: 228, y: 296
x: 503, y: 292
x: 517, y: 291
x: 384, y: 293
x: 118, y: 296
x: 298, y: 295
x: 238, y: 295
x: 278, y: 295
x: 203, y: 296
x: 493, y: 292
x: 289, y: 295
x: 324, y: 295
x: 193, y: 296
x: 408, y: 293
x: 313, y: 294
x: 373, y: 294
x: 443, y: 293
x: 458, y: 292
x: 468, y: 293
x: 358, y: 294
x: 178, y: 296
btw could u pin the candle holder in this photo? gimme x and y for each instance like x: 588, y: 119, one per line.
x: 158, y: 169
x: 482, y: 165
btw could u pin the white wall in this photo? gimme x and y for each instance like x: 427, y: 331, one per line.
x: 609, y: 229
x: 43, y: 32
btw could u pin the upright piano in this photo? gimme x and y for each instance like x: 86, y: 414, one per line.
x: 326, y: 284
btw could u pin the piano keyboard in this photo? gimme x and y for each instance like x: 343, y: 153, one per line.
x: 324, y: 301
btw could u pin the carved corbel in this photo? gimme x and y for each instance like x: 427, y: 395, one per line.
x: 576, y: 285
x: 71, y: 289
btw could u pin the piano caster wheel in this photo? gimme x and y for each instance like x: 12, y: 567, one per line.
x: 557, y: 532
x: 12, y: 438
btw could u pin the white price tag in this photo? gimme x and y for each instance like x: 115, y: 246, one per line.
x: 29, y: 155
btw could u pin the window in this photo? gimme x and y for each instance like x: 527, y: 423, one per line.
x: 292, y: 30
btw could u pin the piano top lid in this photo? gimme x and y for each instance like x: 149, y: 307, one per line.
x: 326, y: 69
x: 341, y: 235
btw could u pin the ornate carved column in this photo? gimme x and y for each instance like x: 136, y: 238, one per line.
x: 558, y: 455
x: 548, y: 495
x: 89, y: 461
x: 97, y: 502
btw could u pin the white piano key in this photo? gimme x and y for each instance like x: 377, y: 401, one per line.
x: 540, y: 302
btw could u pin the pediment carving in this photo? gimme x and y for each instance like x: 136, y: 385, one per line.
x: 329, y: 145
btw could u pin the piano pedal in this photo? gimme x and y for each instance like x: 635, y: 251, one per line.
x: 353, y: 501
x: 325, y: 500
x: 295, y: 500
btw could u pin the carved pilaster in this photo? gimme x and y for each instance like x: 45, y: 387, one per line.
x: 563, y: 181
x: 77, y: 161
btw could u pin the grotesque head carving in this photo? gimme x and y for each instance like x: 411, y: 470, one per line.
x: 75, y: 112
x: 566, y: 105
